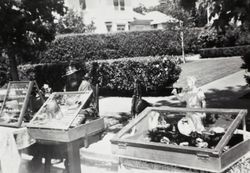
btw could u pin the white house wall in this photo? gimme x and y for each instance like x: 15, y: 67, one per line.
x: 101, y: 11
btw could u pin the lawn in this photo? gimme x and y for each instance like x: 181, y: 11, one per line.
x: 208, y: 70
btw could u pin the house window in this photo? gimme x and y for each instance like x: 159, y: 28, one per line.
x: 119, y: 4
x: 82, y: 4
x: 120, y: 27
x: 116, y: 4
x: 109, y: 26
x: 154, y: 26
x: 122, y: 4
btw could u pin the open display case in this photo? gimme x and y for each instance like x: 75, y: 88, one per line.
x: 18, y: 105
x: 53, y: 120
x: 161, y: 135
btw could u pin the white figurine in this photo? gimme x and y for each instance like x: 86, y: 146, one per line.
x: 194, y: 98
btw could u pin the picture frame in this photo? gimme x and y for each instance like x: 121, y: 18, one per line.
x: 60, y: 110
x: 16, y: 102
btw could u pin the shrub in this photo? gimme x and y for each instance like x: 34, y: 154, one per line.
x: 117, y: 76
x: 225, y: 51
x: 246, y: 66
x: 118, y: 45
x: 233, y: 36
x: 3, y: 71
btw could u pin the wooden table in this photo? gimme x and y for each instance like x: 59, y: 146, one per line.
x: 60, y: 150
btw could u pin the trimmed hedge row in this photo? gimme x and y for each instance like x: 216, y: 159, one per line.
x: 118, y: 45
x: 223, y: 52
x: 118, y: 76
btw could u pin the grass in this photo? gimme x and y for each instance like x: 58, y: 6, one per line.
x: 208, y: 70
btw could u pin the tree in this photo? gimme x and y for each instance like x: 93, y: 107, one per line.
x: 225, y: 12
x: 90, y: 28
x: 174, y: 9
x: 140, y: 9
x: 231, y: 11
x: 26, y: 26
x: 71, y: 23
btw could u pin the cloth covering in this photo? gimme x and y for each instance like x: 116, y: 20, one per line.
x: 11, y: 140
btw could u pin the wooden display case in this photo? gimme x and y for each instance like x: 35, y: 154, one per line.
x: 53, y: 120
x: 133, y: 141
x: 18, y: 104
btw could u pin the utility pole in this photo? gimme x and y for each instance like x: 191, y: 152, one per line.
x: 182, y: 42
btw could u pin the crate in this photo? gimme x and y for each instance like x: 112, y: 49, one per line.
x: 130, y: 142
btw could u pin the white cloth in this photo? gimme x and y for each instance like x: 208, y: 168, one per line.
x: 12, y: 140
x: 9, y: 156
x: 85, y: 86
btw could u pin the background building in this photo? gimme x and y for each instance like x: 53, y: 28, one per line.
x: 117, y: 15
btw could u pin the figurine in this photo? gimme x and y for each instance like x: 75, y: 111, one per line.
x: 53, y: 110
x: 194, y: 98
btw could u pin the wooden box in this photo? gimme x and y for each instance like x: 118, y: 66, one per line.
x: 18, y: 105
x: 53, y: 120
x: 132, y: 141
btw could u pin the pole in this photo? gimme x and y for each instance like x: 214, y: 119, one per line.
x: 182, y: 42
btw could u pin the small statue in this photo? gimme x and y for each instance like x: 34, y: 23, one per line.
x: 194, y: 98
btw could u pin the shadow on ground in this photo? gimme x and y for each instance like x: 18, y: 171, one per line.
x: 115, y: 122
x: 230, y: 97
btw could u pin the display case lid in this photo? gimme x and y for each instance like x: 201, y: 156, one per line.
x: 16, y: 104
x: 159, y: 128
x: 60, y: 110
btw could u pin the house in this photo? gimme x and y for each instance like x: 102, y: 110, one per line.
x: 117, y: 15
x: 107, y: 15
x: 152, y: 20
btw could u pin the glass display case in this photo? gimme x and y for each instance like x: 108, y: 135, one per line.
x: 18, y: 104
x: 59, y: 110
x: 203, y: 139
x: 53, y: 120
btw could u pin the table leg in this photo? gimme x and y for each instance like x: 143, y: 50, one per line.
x: 73, y: 164
x: 47, y: 165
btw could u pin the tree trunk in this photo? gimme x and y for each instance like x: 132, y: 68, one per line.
x: 13, y: 67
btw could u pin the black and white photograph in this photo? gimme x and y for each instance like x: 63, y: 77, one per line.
x: 125, y: 86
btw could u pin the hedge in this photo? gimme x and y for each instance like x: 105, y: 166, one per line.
x: 118, y: 45
x: 224, y: 52
x: 116, y: 77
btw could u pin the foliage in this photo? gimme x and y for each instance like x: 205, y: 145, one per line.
x: 223, y: 52
x: 233, y: 36
x: 118, y: 45
x: 90, y: 27
x: 3, y: 70
x: 27, y: 25
x: 70, y: 23
x: 115, y: 76
x: 246, y: 66
x: 140, y: 9
x: 231, y: 10
x: 174, y: 9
